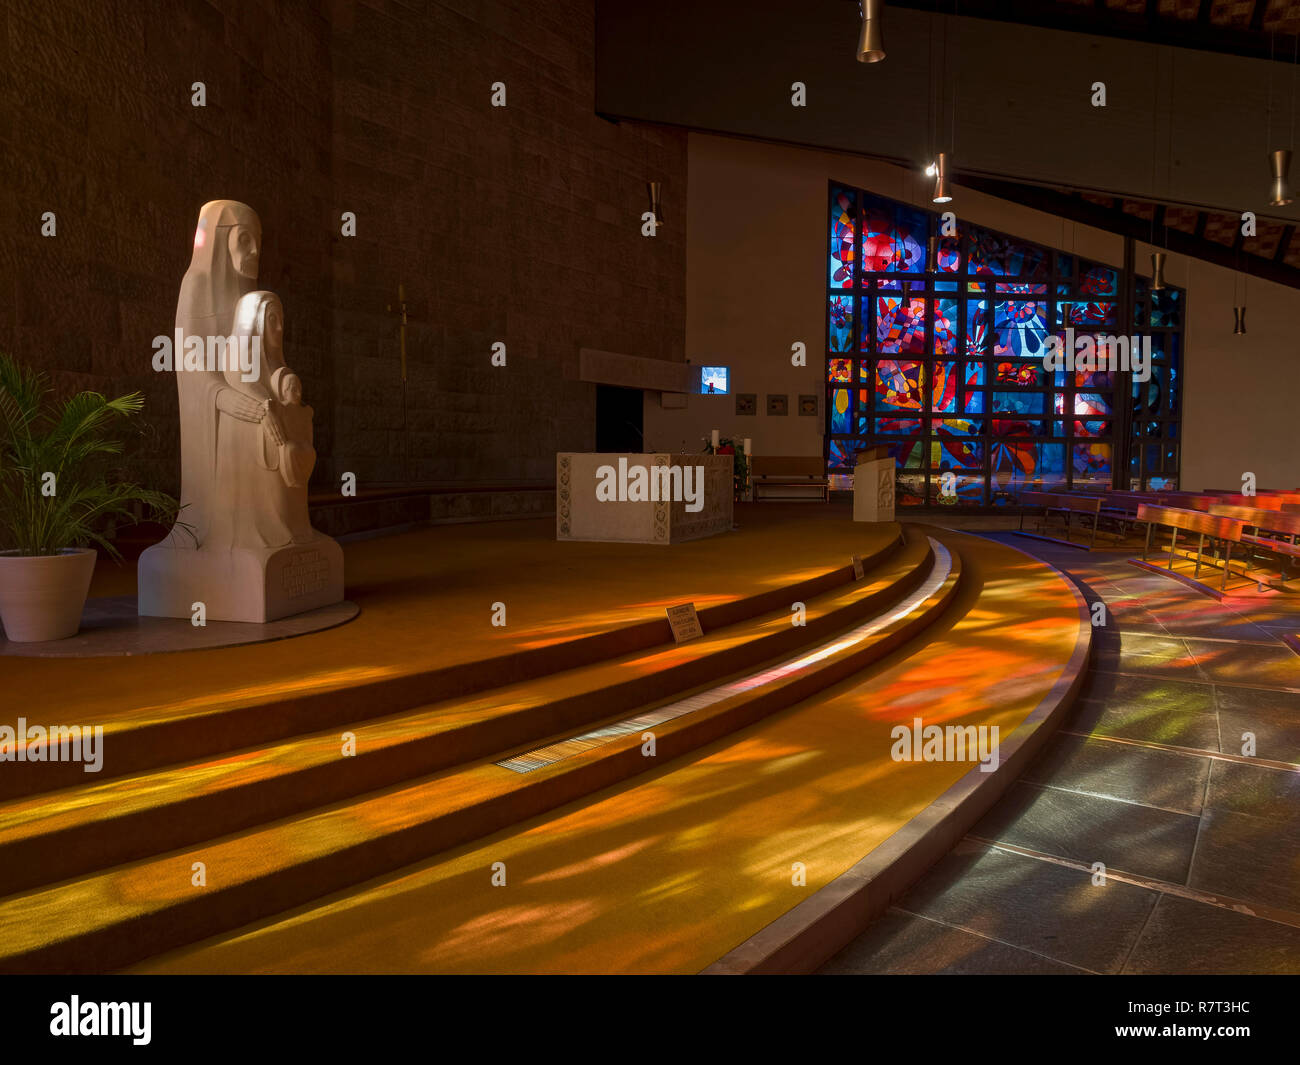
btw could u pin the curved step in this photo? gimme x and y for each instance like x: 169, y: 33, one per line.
x: 130, y: 912
x: 166, y: 736
x: 47, y: 838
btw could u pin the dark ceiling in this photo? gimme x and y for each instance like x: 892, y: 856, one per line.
x: 1179, y: 150
x: 1255, y: 28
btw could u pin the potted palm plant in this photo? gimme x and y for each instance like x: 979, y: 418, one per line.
x: 60, y: 491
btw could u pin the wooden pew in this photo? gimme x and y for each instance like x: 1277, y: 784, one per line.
x: 1228, y: 531
x: 789, y: 471
x: 1066, y: 503
x: 1122, y: 506
x: 1262, y: 520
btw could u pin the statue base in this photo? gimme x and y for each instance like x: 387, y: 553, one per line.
x: 240, y: 584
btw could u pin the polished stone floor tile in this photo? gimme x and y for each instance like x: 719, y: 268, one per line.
x: 1136, y: 721
x: 1124, y: 771
x: 1087, y: 828
x: 1173, y: 666
x: 1139, y: 643
x: 1276, y: 666
x: 1188, y: 937
x: 1048, y: 909
x: 1206, y: 623
x: 1255, y: 789
x: 901, y: 943
x: 1149, y: 693
x: 1255, y: 859
x: 1273, y: 717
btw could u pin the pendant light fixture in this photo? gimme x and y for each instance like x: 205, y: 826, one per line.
x: 1158, y: 271
x: 871, y: 37
x: 942, y: 194
x: 1279, y: 159
x: 1239, y: 311
x: 655, y: 188
x: 1279, y: 162
x: 939, y: 168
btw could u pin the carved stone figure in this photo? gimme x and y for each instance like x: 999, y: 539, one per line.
x: 250, y: 553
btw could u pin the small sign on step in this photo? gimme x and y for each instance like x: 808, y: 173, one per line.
x: 685, y: 622
x: 859, y: 570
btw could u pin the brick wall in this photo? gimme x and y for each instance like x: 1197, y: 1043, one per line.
x: 516, y: 224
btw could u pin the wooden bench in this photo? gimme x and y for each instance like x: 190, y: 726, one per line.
x: 1227, y: 531
x: 1122, y: 507
x: 1065, y: 503
x: 789, y: 471
x: 1263, y: 520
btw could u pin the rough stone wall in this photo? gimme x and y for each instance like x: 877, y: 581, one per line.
x: 518, y: 224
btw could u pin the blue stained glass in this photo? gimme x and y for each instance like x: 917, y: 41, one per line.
x: 1019, y: 402
x: 977, y: 328
x: 1019, y: 329
x: 945, y: 327
x: 1091, y: 403
x: 949, y: 254
x: 840, y: 323
x: 843, y: 453
x: 1166, y: 308
x: 843, y: 237
x: 1099, y: 281
x: 991, y: 253
x: 900, y: 325
x: 840, y: 420
x: 894, y: 238
x: 1087, y: 315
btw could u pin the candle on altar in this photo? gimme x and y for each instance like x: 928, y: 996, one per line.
x: 747, y: 445
x: 715, y: 440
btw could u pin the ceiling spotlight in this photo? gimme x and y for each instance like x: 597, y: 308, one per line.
x: 871, y: 40
x: 940, y: 175
x: 1157, y: 271
x: 1280, y: 163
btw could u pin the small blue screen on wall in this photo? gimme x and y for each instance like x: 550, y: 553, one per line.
x: 713, y: 380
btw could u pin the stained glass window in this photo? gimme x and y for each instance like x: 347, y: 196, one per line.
x: 945, y: 368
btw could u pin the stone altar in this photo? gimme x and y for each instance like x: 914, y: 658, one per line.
x: 630, y: 498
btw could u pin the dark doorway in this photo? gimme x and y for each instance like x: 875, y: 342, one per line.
x: 618, y: 418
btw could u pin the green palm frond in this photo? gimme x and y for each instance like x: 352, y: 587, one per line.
x: 59, y: 486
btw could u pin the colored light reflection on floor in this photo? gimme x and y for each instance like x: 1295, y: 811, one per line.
x: 669, y: 871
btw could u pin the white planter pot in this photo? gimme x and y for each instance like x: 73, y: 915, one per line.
x: 41, y: 596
